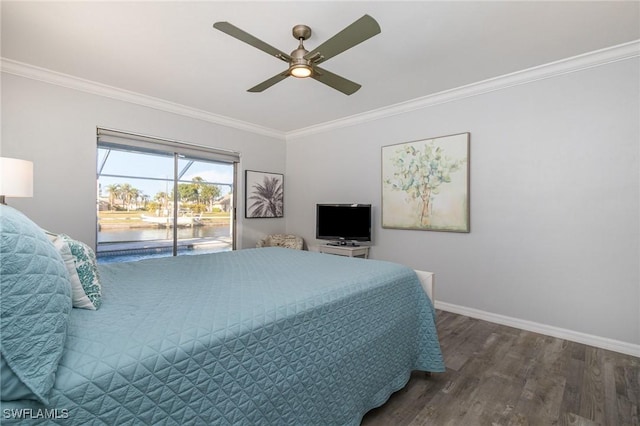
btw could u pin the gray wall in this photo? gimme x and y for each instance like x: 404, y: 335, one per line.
x: 554, y: 187
x: 55, y: 127
x: 554, y: 198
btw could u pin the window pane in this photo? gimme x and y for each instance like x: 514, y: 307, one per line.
x: 124, y: 163
x: 217, y: 173
x: 205, y: 205
x: 136, y: 205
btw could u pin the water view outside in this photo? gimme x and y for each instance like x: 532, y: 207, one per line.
x: 127, y: 237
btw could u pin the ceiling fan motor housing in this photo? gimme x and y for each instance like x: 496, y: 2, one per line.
x: 297, y: 56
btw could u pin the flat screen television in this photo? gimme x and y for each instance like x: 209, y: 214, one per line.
x: 343, y: 223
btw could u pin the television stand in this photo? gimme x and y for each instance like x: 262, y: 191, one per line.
x: 343, y: 244
x: 345, y: 250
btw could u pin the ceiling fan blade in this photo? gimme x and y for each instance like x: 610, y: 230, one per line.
x: 361, y: 30
x: 242, y: 35
x: 270, y: 82
x: 341, y: 84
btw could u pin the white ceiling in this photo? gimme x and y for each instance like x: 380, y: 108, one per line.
x: 169, y: 50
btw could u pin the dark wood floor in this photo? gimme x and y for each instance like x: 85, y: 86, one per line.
x: 498, y: 375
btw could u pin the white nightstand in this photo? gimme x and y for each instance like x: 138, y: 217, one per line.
x: 349, y: 251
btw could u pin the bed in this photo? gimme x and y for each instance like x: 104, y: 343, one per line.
x: 255, y: 336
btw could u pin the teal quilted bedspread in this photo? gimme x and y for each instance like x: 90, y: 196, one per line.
x: 267, y: 336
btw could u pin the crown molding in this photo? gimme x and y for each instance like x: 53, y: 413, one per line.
x: 565, y: 66
x: 60, y: 79
x: 569, y: 65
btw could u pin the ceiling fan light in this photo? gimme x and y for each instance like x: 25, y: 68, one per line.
x: 300, y: 71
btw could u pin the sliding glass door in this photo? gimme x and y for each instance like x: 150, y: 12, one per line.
x: 155, y: 203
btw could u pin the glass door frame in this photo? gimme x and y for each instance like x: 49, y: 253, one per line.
x: 141, y: 144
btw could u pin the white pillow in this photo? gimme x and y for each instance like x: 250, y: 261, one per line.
x: 80, y: 261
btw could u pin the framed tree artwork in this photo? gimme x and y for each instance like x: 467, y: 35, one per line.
x: 425, y: 184
x: 264, y: 194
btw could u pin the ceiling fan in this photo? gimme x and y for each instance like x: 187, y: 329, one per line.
x: 303, y: 63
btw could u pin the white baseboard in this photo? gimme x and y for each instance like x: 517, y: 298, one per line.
x: 574, y: 336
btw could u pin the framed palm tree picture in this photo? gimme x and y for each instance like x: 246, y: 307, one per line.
x: 264, y: 194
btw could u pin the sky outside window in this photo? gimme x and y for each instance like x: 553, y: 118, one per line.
x: 153, y: 173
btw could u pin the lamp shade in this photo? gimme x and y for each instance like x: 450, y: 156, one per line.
x: 16, y: 177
